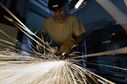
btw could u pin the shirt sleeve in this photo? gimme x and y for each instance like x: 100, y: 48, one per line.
x: 78, y: 27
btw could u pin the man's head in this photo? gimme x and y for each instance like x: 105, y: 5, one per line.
x: 57, y: 6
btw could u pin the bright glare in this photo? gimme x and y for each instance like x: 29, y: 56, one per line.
x: 42, y: 71
x: 78, y: 4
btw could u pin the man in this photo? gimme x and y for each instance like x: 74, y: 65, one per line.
x: 65, y: 30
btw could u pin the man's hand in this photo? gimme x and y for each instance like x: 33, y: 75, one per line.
x: 67, y: 46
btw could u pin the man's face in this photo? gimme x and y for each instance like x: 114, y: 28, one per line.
x: 59, y: 14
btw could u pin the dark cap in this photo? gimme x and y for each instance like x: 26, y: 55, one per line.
x: 59, y: 4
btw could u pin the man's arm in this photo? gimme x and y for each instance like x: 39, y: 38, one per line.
x: 70, y: 43
x: 79, y: 39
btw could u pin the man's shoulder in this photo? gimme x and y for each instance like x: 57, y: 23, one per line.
x: 72, y: 18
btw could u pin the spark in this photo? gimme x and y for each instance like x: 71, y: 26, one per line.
x: 32, y: 70
x: 25, y: 30
x: 122, y: 50
x: 109, y: 66
x: 7, y: 35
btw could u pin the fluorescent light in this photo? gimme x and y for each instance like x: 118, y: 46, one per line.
x: 78, y: 4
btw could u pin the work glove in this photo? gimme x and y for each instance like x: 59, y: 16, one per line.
x: 67, y: 46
